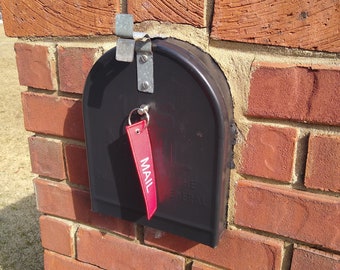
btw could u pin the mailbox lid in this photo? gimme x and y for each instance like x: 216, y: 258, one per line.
x: 190, y: 132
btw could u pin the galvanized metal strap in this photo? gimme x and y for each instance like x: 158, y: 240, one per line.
x: 130, y: 42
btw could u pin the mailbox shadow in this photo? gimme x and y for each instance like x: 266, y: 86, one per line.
x: 126, y: 178
x: 125, y: 181
x: 129, y: 191
x: 20, y: 246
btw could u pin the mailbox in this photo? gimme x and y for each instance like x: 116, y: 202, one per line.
x: 191, y: 133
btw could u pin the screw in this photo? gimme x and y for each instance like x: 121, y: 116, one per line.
x: 143, y: 58
x: 145, y: 85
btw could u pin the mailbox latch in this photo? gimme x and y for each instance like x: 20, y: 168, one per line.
x: 130, y: 42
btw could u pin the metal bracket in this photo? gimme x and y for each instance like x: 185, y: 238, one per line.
x: 129, y: 42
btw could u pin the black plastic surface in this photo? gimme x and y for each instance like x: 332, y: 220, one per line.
x: 191, y: 137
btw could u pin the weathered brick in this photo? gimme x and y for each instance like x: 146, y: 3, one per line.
x: 59, y: 18
x: 36, y: 66
x: 279, y: 92
x: 74, y: 64
x: 296, y: 214
x: 303, y: 24
x: 295, y: 93
x: 188, y: 12
x: 55, y: 261
x: 61, y: 200
x: 53, y: 115
x: 312, y: 259
x: 118, y: 253
x: 269, y: 152
x: 47, y: 157
x: 76, y: 164
x: 57, y: 235
x: 201, y: 266
x: 236, y: 249
x: 324, y: 100
x: 323, y: 163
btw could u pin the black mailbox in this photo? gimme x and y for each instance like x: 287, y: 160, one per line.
x: 191, y: 132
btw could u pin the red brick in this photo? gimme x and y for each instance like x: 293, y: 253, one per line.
x: 57, y: 235
x: 61, y: 200
x: 269, y: 152
x: 312, y: 25
x: 36, y: 67
x: 186, y: 12
x: 200, y: 266
x: 47, y: 157
x: 295, y: 93
x: 295, y: 214
x: 110, y: 252
x: 311, y: 259
x: 59, y: 18
x: 236, y: 250
x: 55, y: 261
x: 322, y: 169
x: 279, y: 92
x: 324, y: 100
x: 76, y: 164
x: 112, y: 224
x: 53, y: 115
x: 74, y: 64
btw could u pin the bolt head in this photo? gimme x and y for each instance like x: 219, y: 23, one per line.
x: 145, y: 85
x: 143, y: 58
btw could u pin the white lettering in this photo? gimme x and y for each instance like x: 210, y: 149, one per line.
x: 146, y: 175
x: 145, y: 169
x: 147, y: 187
x: 145, y: 166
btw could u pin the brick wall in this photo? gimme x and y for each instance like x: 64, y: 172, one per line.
x: 284, y: 201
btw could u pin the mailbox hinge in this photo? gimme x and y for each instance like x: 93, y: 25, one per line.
x: 130, y: 42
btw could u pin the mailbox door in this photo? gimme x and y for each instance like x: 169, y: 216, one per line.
x: 191, y: 136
